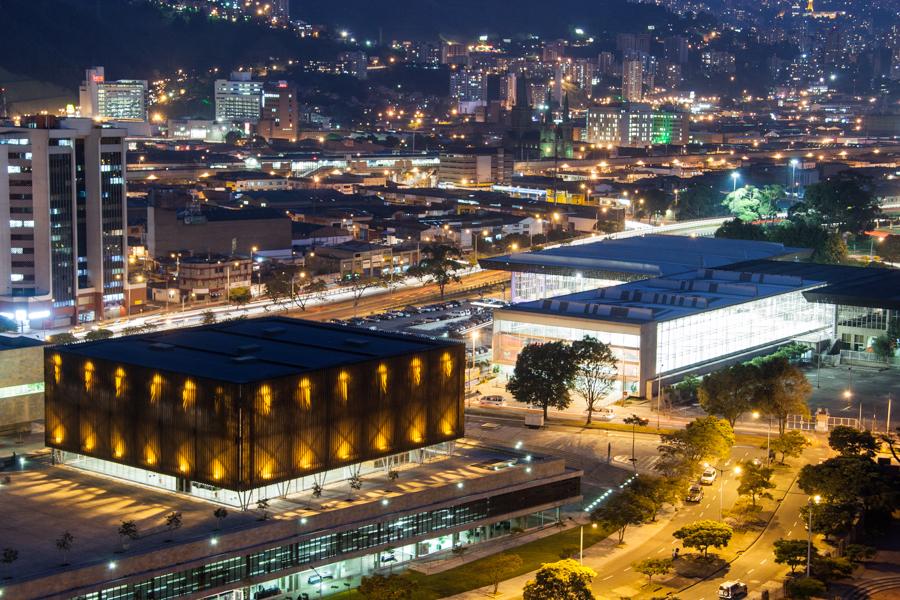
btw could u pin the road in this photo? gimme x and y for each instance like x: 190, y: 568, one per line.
x: 616, y: 578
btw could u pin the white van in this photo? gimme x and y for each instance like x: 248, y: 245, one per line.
x: 732, y: 589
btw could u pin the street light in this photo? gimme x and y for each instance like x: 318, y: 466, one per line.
x: 734, y: 179
x: 475, y: 335
x: 814, y: 501
x: 756, y: 415
x: 794, y: 163
x: 581, y: 543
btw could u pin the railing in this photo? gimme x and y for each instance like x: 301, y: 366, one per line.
x: 869, y: 358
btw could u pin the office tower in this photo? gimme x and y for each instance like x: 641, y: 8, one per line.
x: 238, y: 98
x: 62, y: 231
x: 355, y: 63
x: 554, y: 51
x: 676, y: 49
x: 467, y: 89
x: 280, y: 112
x: 453, y: 53
x: 4, y: 108
x: 124, y: 100
x: 633, y: 78
x: 636, y: 125
x: 582, y: 73
x: 606, y: 63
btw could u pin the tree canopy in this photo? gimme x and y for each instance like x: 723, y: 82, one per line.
x: 729, y: 392
x: 790, y: 443
x: 386, y: 587
x: 848, y: 441
x: 791, y: 553
x: 756, y: 481
x: 751, y: 203
x: 737, y: 229
x: 704, y: 535
x: 682, y: 451
x: 543, y: 375
x: 563, y: 580
x: 595, y: 371
x: 623, y: 508
x: 440, y: 265
x: 845, y: 202
x: 783, y: 390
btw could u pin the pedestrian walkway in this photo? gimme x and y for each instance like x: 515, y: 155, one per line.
x: 642, y: 464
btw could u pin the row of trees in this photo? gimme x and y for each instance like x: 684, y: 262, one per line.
x: 545, y: 374
x: 774, y: 386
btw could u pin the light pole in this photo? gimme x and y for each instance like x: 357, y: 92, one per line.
x: 756, y: 415
x: 475, y: 335
x: 581, y: 543
x: 794, y: 163
x: 737, y: 471
x: 253, y: 250
x: 814, y: 501
x: 734, y: 179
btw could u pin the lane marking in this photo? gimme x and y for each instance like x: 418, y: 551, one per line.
x: 607, y: 578
x: 750, y: 571
x: 628, y: 569
x: 764, y: 561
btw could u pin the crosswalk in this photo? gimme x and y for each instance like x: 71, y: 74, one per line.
x: 644, y: 464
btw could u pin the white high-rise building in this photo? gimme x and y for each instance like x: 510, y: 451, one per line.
x: 123, y: 100
x: 63, y: 243
x: 633, y: 79
x: 239, y: 98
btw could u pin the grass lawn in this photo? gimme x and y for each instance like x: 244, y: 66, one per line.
x: 471, y: 576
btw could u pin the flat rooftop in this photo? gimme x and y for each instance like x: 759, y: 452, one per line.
x: 640, y: 257
x: 254, y: 349
x: 667, y: 298
x: 42, y: 502
x: 870, y: 287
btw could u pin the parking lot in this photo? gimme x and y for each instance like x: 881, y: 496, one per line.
x: 869, y: 387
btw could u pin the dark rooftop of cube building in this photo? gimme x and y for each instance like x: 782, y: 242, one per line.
x: 255, y: 349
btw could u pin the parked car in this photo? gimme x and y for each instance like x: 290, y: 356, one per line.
x: 603, y: 414
x: 695, y: 494
x: 491, y: 401
x: 709, y: 476
x: 732, y: 589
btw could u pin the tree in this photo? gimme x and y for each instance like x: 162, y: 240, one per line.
x: 699, y: 202
x: 790, y: 443
x: 543, y: 375
x: 313, y: 290
x: 883, y: 347
x: 831, y: 519
x: 441, y: 265
x: 844, y: 203
x: 751, y: 203
x: 704, y: 438
x: 173, y: 522
x: 64, y: 545
x: 563, y: 580
x: 7, y: 324
x: 828, y: 247
x: 263, y: 507
x: 736, y: 229
x: 390, y: 587
x: 98, y: 334
x: 128, y: 531
x: 656, y: 201
x: 279, y: 283
x: 62, y: 338
x: 805, y: 587
x: 358, y: 284
x: 729, y: 392
x: 624, y: 508
x: 220, y: 514
x: 233, y: 137
x: 783, y: 390
x: 595, y: 371
x: 500, y: 566
x: 827, y: 569
x: 652, y: 566
x: 209, y: 317
x: 240, y: 295
x: 704, y: 534
x: 791, y: 553
x: 635, y: 421
x: 756, y: 481
x: 848, y: 441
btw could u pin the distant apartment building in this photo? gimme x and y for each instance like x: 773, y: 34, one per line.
x: 635, y: 125
x: 633, y: 78
x: 123, y: 100
x: 210, y: 276
x: 468, y: 90
x: 476, y: 169
x: 363, y: 259
x: 717, y: 63
x: 355, y: 63
x: 62, y: 223
x: 280, y: 112
x: 238, y: 98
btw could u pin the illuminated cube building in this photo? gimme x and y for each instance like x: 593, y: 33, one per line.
x: 246, y: 407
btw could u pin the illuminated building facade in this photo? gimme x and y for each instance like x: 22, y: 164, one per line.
x: 124, y: 100
x: 636, y: 125
x: 62, y: 229
x: 277, y: 402
x: 238, y: 99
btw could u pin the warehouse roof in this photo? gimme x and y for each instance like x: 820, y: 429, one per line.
x: 644, y: 256
x: 667, y: 298
x: 255, y: 349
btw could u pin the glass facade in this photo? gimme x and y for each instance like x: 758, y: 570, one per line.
x: 713, y: 334
x: 511, y: 336
x: 62, y: 242
x: 112, y: 214
x: 391, y: 533
x: 537, y: 286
